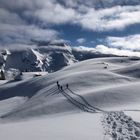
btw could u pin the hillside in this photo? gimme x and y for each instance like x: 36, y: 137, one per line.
x: 97, y: 87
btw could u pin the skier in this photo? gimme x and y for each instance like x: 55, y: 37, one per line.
x: 58, y: 85
x: 61, y: 88
x: 67, y: 86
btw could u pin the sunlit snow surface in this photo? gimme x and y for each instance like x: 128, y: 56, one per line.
x: 102, y: 102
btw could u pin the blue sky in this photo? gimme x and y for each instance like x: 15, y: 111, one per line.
x: 105, y: 24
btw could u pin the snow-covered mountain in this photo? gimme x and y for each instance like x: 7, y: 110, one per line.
x: 50, y: 57
x: 44, y: 58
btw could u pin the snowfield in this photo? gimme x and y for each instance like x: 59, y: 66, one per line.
x: 101, y: 102
x: 65, y: 126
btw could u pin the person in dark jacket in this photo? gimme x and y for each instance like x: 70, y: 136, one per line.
x: 61, y: 87
x: 57, y: 82
x: 67, y: 86
x: 58, y: 85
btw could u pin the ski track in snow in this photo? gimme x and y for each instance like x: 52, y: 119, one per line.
x: 116, y: 124
x: 78, y: 104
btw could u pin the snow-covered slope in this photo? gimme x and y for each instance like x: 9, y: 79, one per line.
x: 99, y: 90
x: 131, y: 70
x: 94, y: 79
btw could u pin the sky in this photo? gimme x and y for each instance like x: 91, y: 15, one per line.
x: 106, y: 24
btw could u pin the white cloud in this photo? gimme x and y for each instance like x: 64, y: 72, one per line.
x: 107, y: 50
x: 116, y: 51
x: 131, y: 42
x: 51, y: 11
x: 14, y: 16
x: 110, y: 18
x: 122, y: 46
x: 83, y: 48
x: 13, y: 29
x: 100, y: 3
x: 117, y: 17
x: 23, y: 33
x: 17, y: 47
x: 56, y: 14
x: 83, y: 13
x: 81, y: 40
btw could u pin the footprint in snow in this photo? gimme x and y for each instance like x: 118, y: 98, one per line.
x: 120, y: 126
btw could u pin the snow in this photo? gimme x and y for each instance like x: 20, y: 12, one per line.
x: 9, y: 104
x: 135, y: 114
x: 50, y: 58
x: 120, y: 126
x: 36, y: 59
x: 81, y: 111
x: 68, y: 127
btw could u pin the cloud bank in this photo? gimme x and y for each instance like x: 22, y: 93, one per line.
x: 115, y: 51
x: 24, y: 20
x: 108, y: 50
x: 131, y: 42
x: 117, y: 18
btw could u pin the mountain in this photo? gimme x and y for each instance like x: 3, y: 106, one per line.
x: 44, y: 58
x: 50, y: 58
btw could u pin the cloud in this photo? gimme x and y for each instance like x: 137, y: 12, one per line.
x: 17, y: 47
x: 9, y: 18
x: 83, y: 48
x: 57, y: 14
x: 79, y: 12
x: 81, y: 40
x: 107, y: 50
x: 121, y: 46
x: 117, y: 18
x: 14, y: 29
x: 23, y: 33
x: 22, y: 20
x: 97, y: 4
x: 115, y: 51
x: 131, y: 42
x: 48, y: 11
